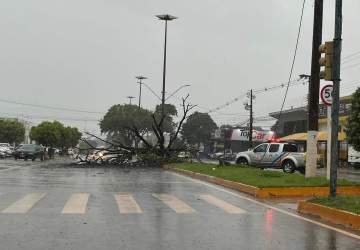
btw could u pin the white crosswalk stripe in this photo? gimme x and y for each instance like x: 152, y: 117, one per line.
x: 77, y: 204
x: 25, y: 204
x: 127, y: 204
x: 227, y: 207
x: 175, y: 204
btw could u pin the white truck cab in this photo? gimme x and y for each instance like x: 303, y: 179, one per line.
x: 273, y: 155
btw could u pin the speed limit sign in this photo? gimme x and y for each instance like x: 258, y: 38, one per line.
x: 326, y: 94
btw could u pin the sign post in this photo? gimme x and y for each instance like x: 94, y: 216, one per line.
x: 326, y: 97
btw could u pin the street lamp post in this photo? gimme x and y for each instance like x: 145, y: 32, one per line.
x: 130, y: 98
x: 177, y: 90
x: 166, y: 18
x: 140, y: 78
x: 171, y: 95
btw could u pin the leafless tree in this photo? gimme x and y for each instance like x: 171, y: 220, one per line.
x: 160, y: 149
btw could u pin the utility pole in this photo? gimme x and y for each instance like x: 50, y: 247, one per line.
x: 130, y: 98
x: 249, y: 106
x: 314, y: 87
x: 251, y: 120
x: 335, y: 96
x: 140, y: 78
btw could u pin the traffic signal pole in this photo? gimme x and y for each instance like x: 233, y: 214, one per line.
x: 336, y: 98
x: 314, y: 87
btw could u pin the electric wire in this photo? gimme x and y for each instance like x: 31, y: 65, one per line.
x: 294, y: 57
x: 50, y: 107
x: 350, y: 55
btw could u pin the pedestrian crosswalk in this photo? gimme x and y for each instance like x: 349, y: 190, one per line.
x: 227, y: 207
x: 24, y: 205
x: 174, y: 203
x: 127, y: 204
x: 78, y: 203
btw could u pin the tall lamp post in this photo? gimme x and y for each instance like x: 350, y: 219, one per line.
x: 140, y: 78
x: 130, y: 98
x: 177, y: 90
x: 166, y: 18
x: 171, y: 95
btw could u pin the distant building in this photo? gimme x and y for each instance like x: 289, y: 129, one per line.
x: 291, y: 121
x: 237, y: 138
x: 294, y: 120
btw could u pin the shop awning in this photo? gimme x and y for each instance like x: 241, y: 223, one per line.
x: 322, y: 136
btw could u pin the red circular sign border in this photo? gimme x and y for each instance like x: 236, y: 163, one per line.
x: 321, y: 94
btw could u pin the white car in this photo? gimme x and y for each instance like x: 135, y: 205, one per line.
x: 353, y: 157
x: 184, y: 154
x: 5, y: 149
x: 273, y: 155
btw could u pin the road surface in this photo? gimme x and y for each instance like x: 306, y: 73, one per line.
x: 53, y: 207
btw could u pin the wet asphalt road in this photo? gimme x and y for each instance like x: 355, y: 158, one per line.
x: 186, y: 220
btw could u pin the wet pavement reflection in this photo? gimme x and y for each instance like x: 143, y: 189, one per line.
x: 157, y: 210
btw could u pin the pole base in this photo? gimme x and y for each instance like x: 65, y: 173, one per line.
x: 311, y: 154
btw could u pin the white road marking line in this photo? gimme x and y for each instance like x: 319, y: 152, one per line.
x: 10, y: 168
x: 24, y: 205
x: 174, y: 203
x: 77, y: 204
x: 227, y: 207
x: 355, y: 236
x: 127, y: 204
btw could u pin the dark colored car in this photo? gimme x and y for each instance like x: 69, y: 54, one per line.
x: 29, y: 151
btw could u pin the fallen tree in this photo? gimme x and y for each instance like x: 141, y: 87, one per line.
x: 143, y: 150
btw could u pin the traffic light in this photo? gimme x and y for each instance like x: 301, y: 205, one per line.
x: 326, y: 61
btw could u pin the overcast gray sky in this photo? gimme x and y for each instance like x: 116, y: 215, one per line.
x: 84, y: 54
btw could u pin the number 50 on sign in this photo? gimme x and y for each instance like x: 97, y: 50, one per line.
x: 326, y: 94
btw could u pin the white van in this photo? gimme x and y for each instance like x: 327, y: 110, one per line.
x: 353, y: 157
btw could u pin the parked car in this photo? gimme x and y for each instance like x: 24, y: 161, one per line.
x: 229, y: 155
x: 5, y: 145
x: 2, y: 153
x: 29, y: 151
x: 274, y: 155
x: 5, y: 150
x: 353, y: 157
x: 184, y: 155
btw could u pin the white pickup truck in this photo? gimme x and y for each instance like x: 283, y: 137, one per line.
x: 273, y: 155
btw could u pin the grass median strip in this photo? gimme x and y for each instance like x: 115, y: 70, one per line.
x: 259, y: 178
x: 347, y: 203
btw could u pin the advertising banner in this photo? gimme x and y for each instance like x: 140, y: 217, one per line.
x: 258, y: 136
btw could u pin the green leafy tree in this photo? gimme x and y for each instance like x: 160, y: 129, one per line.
x: 120, y: 121
x: 198, y: 128
x: 11, y: 131
x: 353, y: 127
x: 46, y: 133
x: 55, y: 134
x: 69, y: 137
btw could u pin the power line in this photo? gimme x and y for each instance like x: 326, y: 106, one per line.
x: 294, y: 58
x: 280, y: 86
x: 258, y: 91
x: 350, y: 66
x: 41, y: 117
x: 227, y: 103
x: 351, y: 55
x: 345, y: 61
x: 50, y: 107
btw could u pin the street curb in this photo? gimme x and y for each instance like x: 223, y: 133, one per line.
x: 330, y: 214
x: 266, y: 193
